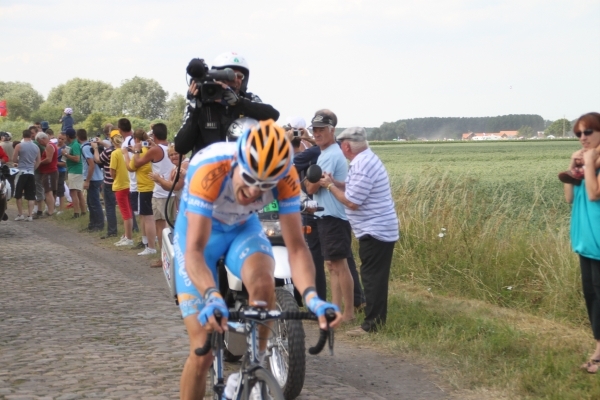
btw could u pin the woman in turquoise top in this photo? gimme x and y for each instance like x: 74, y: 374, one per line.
x: 585, y: 223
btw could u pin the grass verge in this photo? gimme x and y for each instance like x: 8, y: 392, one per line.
x: 484, y: 351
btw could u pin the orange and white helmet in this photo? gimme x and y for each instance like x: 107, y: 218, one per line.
x: 264, y: 152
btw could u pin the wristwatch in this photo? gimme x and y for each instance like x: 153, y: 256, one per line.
x: 329, y: 187
x: 137, y: 152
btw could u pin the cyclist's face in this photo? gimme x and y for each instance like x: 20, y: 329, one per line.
x: 244, y: 194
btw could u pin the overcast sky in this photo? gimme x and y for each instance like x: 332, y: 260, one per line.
x: 369, y: 61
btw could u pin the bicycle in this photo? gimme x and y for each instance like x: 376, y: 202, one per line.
x: 251, y: 371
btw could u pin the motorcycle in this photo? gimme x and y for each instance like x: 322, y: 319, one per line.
x: 286, y: 349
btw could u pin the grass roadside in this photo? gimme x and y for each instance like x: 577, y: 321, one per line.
x: 484, y: 351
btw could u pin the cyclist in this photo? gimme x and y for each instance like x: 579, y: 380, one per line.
x: 226, y: 184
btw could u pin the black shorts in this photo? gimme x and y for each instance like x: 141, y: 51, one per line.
x: 146, y: 203
x: 60, y: 188
x: 134, y: 201
x: 25, y: 184
x: 335, y: 236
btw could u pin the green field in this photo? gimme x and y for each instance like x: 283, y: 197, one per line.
x: 488, y: 222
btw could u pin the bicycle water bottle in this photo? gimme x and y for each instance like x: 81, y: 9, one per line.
x: 232, y: 383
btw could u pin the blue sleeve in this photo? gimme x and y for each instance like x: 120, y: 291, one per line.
x: 305, y: 159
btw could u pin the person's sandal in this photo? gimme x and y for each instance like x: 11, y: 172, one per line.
x: 591, y: 366
x: 567, y: 177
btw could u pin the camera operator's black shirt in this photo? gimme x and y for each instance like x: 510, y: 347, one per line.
x: 207, y: 123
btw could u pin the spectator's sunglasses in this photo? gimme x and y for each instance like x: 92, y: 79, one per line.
x: 252, y: 181
x: 586, y: 132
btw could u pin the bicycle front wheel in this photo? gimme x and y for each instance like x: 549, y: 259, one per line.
x: 265, y: 385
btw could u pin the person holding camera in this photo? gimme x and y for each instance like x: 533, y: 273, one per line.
x: 216, y: 98
x: 93, y: 176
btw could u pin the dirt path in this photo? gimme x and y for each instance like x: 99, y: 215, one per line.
x: 74, y: 277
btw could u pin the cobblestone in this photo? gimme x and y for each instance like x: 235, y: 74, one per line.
x: 79, y: 322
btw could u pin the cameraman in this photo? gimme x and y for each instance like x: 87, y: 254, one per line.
x: 207, y: 122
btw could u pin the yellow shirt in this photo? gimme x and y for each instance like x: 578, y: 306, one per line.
x: 144, y: 183
x: 117, y: 162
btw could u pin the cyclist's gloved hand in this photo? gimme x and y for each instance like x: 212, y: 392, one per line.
x: 318, y: 306
x: 213, y: 302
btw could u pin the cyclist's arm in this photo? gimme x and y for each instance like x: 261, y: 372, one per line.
x: 301, y: 262
x: 198, y: 232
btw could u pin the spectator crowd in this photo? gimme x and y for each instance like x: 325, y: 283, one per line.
x: 92, y: 176
x: 134, y: 170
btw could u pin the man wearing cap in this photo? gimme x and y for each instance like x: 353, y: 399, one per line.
x: 45, y: 126
x: 366, y: 194
x: 335, y: 233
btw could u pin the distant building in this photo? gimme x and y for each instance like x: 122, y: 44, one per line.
x: 490, y: 136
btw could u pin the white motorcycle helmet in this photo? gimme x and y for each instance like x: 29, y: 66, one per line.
x: 233, y: 60
x: 239, y: 126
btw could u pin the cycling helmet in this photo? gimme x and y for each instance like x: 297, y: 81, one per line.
x: 233, y: 60
x: 68, y: 110
x: 264, y: 152
x: 239, y: 126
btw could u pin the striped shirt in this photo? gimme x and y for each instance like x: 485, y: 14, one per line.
x: 368, y: 186
x: 105, y: 160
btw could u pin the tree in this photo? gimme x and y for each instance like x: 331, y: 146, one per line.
x: 17, y: 110
x: 141, y: 97
x: 95, y: 122
x: 84, y: 96
x: 526, y: 131
x: 174, y: 113
x: 48, y: 112
x: 560, y: 127
x: 28, y: 98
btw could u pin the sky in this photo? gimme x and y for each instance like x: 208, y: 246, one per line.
x: 369, y: 61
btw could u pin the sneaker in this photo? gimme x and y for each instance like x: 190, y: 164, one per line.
x: 124, y: 242
x: 108, y: 235
x: 147, y: 251
x: 35, y: 216
x: 20, y: 218
x: 140, y: 245
x: 58, y: 213
x: 120, y: 240
x: 29, y: 219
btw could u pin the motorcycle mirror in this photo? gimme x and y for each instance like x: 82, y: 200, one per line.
x: 314, y: 173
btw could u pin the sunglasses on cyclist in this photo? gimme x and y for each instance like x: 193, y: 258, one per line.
x: 252, y: 181
x: 586, y: 132
x: 240, y: 76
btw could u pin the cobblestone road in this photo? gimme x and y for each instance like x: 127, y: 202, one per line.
x: 81, y: 321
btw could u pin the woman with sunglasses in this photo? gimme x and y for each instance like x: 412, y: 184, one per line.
x: 585, y: 222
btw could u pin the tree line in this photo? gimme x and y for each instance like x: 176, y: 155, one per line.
x: 454, y: 127
x: 95, y: 103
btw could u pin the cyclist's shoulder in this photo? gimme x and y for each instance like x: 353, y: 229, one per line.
x: 215, y: 154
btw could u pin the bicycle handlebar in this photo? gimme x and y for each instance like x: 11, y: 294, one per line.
x: 269, y: 315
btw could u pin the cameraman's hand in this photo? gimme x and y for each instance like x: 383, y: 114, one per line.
x: 94, y: 145
x: 230, y: 97
x: 193, y: 89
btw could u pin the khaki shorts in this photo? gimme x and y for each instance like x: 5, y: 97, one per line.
x: 75, y: 182
x: 158, y: 208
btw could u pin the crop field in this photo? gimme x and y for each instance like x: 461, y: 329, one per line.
x: 487, y: 221
x: 484, y: 282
